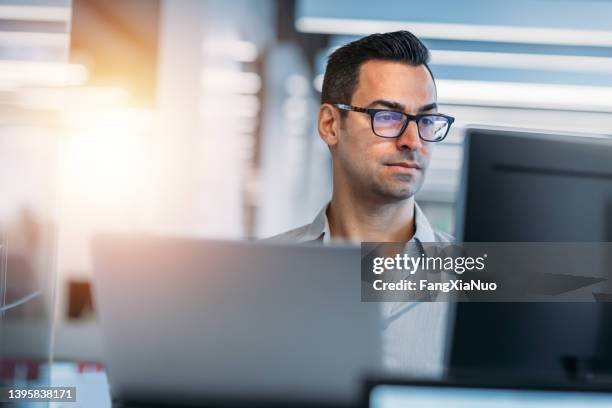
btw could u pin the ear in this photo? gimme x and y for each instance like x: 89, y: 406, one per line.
x: 329, y: 124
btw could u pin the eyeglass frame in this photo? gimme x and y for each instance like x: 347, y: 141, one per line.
x: 410, y: 118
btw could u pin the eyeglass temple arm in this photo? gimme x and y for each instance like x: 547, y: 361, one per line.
x: 349, y: 107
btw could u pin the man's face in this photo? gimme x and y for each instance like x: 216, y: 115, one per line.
x: 392, y: 169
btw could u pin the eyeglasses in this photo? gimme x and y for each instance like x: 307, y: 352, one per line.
x: 433, y: 127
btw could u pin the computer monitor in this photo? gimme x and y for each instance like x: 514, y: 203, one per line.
x: 482, y: 395
x: 525, y: 186
x: 522, y: 186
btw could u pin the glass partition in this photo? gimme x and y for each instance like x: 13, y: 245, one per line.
x: 34, y: 44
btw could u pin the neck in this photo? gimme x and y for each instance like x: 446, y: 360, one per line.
x: 352, y: 218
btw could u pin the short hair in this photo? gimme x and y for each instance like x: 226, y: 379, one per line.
x: 343, y: 65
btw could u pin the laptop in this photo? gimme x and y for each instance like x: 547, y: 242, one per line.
x: 475, y: 394
x: 202, y: 321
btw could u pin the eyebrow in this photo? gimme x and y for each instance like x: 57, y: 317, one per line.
x: 400, y: 107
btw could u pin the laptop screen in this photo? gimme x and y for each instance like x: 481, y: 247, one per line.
x: 406, y: 396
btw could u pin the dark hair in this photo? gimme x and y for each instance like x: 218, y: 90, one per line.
x: 342, y: 71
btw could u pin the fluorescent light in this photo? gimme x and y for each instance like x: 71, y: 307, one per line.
x: 18, y: 39
x: 24, y: 73
x: 523, y: 95
x: 243, y: 51
x: 35, y: 13
x: 232, y: 101
x: 464, y: 32
x: 575, y: 122
x: 565, y: 63
x: 231, y: 81
x: 74, y: 101
x: 242, y: 124
x: 91, y: 98
x: 224, y: 112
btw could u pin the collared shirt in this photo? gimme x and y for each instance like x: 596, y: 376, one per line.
x: 414, y: 335
x: 319, y: 229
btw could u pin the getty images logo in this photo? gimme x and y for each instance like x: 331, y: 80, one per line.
x: 450, y: 258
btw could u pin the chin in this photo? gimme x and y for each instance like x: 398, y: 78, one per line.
x: 397, y: 193
x: 404, y: 195
x: 403, y: 189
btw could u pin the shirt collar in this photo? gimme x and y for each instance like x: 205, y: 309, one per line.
x: 319, y: 229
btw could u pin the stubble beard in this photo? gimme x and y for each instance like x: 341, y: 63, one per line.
x: 395, y: 190
x: 381, y: 189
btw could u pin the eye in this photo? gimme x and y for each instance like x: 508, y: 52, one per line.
x: 427, y: 121
x: 385, y: 116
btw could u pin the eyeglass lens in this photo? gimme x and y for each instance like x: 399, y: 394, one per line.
x: 390, y: 124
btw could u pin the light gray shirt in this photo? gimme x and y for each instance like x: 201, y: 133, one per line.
x: 414, y: 337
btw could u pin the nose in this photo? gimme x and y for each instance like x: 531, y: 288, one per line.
x: 409, y: 139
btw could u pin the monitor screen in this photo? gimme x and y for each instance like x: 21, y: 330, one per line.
x: 523, y: 186
x: 406, y: 396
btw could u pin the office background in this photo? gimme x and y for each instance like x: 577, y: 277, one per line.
x: 197, y: 118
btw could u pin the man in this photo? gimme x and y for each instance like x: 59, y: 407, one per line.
x: 379, y: 118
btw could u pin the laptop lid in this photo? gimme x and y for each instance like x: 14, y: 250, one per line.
x: 191, y: 320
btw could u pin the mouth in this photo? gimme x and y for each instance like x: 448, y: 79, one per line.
x: 404, y: 166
